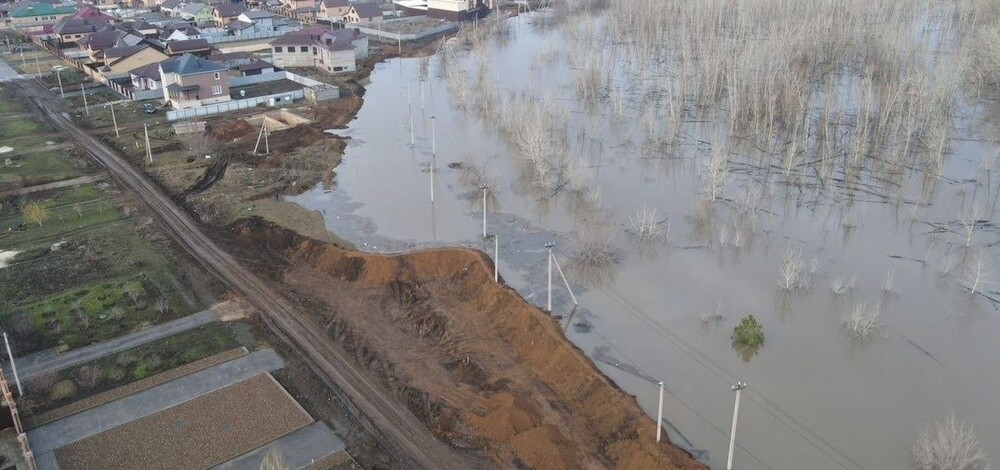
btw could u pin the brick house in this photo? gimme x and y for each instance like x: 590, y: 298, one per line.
x: 226, y: 12
x: 191, y: 82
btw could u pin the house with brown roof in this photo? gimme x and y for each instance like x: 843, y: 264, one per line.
x: 146, y: 77
x: 364, y: 13
x: 223, y: 13
x: 75, y: 30
x: 190, y: 82
x: 329, y: 50
x: 120, y: 61
x: 334, y: 10
x: 198, y: 47
x: 98, y: 42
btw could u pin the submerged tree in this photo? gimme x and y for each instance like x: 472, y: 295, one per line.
x: 948, y: 445
x: 749, y: 333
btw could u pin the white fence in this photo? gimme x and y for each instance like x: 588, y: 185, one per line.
x: 234, y: 105
x: 248, y: 36
x: 404, y: 37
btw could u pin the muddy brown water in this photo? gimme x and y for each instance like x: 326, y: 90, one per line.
x: 818, y: 398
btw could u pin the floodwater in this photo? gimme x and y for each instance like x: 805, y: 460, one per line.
x: 818, y: 398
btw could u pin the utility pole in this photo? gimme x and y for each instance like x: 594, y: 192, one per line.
x: 13, y: 367
x: 149, y: 152
x: 421, y: 94
x: 38, y: 67
x: 738, y: 387
x: 659, y: 414
x: 85, y: 107
x: 411, y: 126
x: 58, y: 69
x: 548, y: 305
x: 267, y: 146
x: 565, y: 281
x: 114, y: 119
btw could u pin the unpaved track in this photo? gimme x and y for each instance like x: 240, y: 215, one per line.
x: 403, y: 433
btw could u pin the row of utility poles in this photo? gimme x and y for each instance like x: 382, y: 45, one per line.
x: 552, y: 261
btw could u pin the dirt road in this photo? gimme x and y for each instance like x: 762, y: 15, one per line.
x: 402, y: 431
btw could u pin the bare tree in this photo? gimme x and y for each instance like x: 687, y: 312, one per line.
x: 862, y: 320
x: 969, y: 221
x: 646, y: 225
x: 948, y: 445
x: 791, y: 276
x: 977, y: 273
x: 200, y: 145
x: 162, y: 305
x: 89, y: 376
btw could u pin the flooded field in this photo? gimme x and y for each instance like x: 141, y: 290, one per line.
x: 861, y: 235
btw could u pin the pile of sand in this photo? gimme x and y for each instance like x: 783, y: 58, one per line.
x: 484, y: 369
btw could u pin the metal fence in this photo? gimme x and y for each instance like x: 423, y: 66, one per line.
x: 234, y: 105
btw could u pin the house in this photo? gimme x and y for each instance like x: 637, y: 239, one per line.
x: 196, y: 12
x: 139, y: 27
x: 146, y: 77
x: 179, y: 32
x: 103, y: 4
x: 223, y: 13
x: 334, y: 10
x: 455, y: 10
x: 231, y: 59
x: 256, y: 67
x: 197, y: 47
x: 38, y: 14
x: 91, y: 13
x: 190, y: 82
x: 262, y: 20
x: 363, y: 13
x: 302, y: 10
x: 171, y: 7
x: 120, y: 61
x: 97, y: 43
x: 328, y: 50
x: 75, y: 30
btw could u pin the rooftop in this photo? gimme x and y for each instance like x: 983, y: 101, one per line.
x: 188, y: 64
x: 187, y: 45
x: 41, y: 9
x: 368, y: 10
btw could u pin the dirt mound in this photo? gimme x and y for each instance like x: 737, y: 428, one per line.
x: 484, y: 369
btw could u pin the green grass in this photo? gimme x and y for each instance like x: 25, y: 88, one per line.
x: 38, y: 168
x: 92, y: 313
x: 12, y: 128
x: 135, y: 364
x: 69, y: 210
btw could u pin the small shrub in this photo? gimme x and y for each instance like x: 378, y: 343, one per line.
x: 63, y: 389
x: 749, y: 333
x: 140, y: 371
x: 126, y: 359
x: 89, y: 376
x: 154, y: 361
x: 115, y: 374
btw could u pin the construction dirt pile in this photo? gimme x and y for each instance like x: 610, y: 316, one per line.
x: 482, y: 368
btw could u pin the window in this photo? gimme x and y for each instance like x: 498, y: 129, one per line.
x: 277, y: 49
x: 304, y: 49
x: 217, y: 75
x: 216, y: 89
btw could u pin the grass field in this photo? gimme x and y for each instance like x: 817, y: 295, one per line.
x: 13, y: 128
x: 33, y: 168
x: 65, y: 212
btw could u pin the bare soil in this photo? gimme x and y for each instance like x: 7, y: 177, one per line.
x: 482, y: 368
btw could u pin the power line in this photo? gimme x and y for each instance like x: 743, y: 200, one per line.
x: 728, y: 377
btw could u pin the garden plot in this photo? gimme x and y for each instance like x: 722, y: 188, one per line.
x: 199, y: 433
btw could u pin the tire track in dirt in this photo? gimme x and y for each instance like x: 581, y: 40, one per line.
x: 403, y: 432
